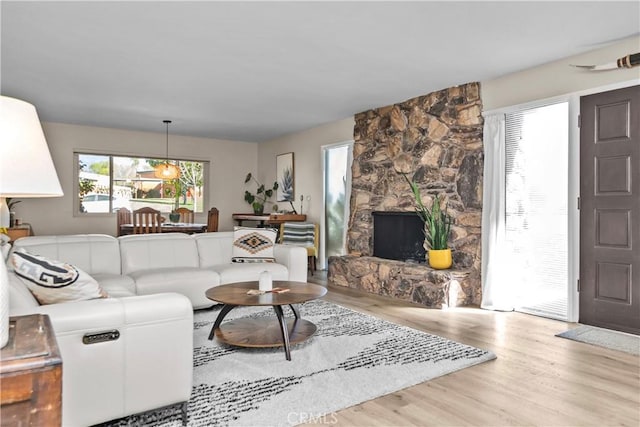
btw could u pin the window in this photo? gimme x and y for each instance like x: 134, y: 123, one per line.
x: 106, y: 183
x: 536, y: 228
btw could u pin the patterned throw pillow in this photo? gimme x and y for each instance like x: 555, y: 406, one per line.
x: 54, y: 282
x: 253, y: 244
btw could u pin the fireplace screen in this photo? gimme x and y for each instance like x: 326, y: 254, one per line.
x: 398, y: 236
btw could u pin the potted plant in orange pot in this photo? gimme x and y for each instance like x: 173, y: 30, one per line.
x: 437, y: 228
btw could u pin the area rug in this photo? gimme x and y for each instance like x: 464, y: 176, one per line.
x: 352, y: 358
x: 604, y: 338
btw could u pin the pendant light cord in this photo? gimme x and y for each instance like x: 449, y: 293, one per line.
x: 167, y: 123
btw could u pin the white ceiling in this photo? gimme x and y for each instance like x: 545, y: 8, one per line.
x: 253, y: 71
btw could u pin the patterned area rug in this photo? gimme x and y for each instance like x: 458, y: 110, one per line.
x: 352, y: 358
x: 604, y: 338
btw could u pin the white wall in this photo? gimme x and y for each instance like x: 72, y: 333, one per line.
x: 307, y: 158
x: 230, y: 160
x: 229, y: 163
x: 559, y: 78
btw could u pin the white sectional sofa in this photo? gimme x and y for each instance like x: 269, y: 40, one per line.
x: 154, y: 282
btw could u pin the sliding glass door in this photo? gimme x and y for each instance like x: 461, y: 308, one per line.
x: 536, y: 228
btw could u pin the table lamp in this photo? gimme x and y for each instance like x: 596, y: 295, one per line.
x: 26, y: 170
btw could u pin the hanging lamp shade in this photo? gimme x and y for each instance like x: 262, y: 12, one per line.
x: 166, y: 170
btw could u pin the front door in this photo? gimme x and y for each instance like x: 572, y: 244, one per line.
x: 610, y: 210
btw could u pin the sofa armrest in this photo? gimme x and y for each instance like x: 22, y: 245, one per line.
x: 294, y: 258
x: 159, y: 356
x: 80, y: 316
x: 96, y: 314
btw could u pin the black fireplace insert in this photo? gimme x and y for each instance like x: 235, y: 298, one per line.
x: 398, y: 236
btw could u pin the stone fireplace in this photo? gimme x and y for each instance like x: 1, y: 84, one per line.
x: 436, y: 140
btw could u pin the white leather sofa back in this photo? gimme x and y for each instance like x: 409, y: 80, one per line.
x: 145, y: 264
x: 96, y: 254
x: 93, y: 253
x: 214, y: 248
x: 157, y: 251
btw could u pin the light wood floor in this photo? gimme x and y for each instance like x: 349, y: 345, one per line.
x: 537, y: 378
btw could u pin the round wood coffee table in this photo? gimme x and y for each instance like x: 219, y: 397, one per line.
x: 247, y: 332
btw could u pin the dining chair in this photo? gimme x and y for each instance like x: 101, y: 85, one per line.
x: 302, y: 234
x: 123, y: 216
x: 186, y: 215
x: 212, y: 220
x: 146, y: 220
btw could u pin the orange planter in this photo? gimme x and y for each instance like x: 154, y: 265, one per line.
x: 440, y: 259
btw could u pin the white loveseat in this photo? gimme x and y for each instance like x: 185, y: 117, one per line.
x: 154, y: 282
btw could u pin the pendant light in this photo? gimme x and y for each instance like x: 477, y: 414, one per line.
x: 166, y: 170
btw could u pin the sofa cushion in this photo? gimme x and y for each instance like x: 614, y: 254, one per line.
x: 233, y: 272
x: 253, y: 244
x: 115, y: 285
x: 93, y: 253
x: 191, y: 282
x: 214, y: 248
x: 141, y: 252
x: 53, y: 281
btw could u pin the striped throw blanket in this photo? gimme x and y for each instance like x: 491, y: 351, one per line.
x: 299, y: 234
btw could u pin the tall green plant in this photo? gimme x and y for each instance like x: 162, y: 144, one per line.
x: 437, y: 223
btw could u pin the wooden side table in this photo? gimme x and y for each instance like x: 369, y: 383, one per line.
x: 31, y: 374
x: 18, y: 231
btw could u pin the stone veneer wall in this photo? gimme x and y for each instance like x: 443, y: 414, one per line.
x: 436, y: 139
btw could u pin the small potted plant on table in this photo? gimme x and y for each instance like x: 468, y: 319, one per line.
x: 258, y: 200
x: 175, y: 191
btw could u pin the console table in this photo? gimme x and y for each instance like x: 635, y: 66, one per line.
x: 272, y: 219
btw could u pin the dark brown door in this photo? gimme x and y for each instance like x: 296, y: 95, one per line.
x: 610, y: 210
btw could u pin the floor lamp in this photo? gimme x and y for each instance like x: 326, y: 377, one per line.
x: 26, y: 170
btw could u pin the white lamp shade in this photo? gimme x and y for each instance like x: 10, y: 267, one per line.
x: 167, y: 171
x: 26, y: 168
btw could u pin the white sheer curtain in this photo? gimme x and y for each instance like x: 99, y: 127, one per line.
x: 497, y: 292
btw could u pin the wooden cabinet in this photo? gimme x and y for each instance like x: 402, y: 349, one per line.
x: 31, y: 374
x: 18, y: 231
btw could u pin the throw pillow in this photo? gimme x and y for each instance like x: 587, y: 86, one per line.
x: 253, y: 244
x: 54, y: 282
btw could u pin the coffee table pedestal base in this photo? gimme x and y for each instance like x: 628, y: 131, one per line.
x: 264, y: 333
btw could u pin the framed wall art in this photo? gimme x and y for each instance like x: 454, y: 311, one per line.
x: 284, y: 176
